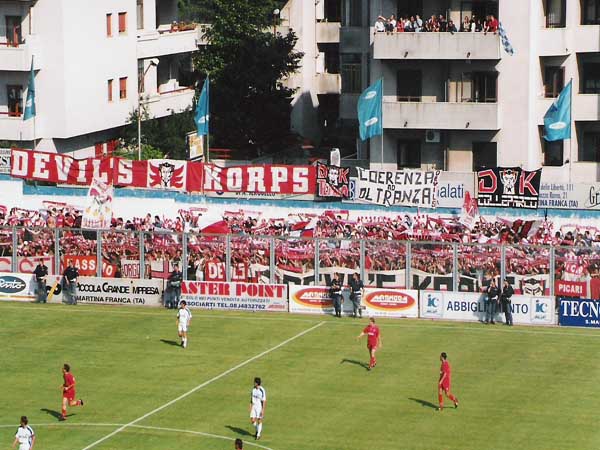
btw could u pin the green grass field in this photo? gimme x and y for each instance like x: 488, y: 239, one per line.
x: 521, y: 387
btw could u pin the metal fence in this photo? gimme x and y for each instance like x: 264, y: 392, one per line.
x: 427, y: 265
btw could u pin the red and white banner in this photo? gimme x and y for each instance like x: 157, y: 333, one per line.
x: 564, y: 288
x: 87, y: 266
x: 217, y: 271
x: 263, y: 180
x: 376, y: 302
x: 234, y: 296
x: 26, y: 264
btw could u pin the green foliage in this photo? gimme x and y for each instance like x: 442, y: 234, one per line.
x: 167, y: 135
x: 199, y: 11
x: 250, y: 106
x: 148, y: 152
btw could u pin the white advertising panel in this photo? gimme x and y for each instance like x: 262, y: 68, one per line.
x: 114, y: 291
x: 375, y: 302
x: 234, y: 296
x: 526, y: 310
x: 17, y: 286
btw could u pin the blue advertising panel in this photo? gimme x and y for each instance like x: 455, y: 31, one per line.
x: 579, y: 312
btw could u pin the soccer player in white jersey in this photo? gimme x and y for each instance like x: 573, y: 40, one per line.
x: 184, y: 318
x: 258, y: 403
x: 25, y: 436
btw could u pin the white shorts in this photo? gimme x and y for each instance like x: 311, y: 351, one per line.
x: 25, y: 446
x: 255, y: 412
x: 182, y: 328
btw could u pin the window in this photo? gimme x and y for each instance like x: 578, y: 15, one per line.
x: 484, y: 87
x: 110, y: 90
x: 556, y: 13
x: 109, y: 25
x: 484, y: 155
x: 408, y: 86
x: 14, y: 94
x: 591, y: 78
x: 333, y: 11
x: 140, y: 14
x: 332, y: 57
x: 554, y: 81
x: 408, y: 154
x: 591, y: 12
x: 141, y: 84
x: 590, y: 150
x: 553, y: 152
x: 13, y: 31
x: 351, y: 73
x: 122, y: 22
x: 123, y: 88
x: 409, y: 8
x: 352, y: 13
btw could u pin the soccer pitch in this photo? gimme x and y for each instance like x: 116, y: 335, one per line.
x: 520, y: 387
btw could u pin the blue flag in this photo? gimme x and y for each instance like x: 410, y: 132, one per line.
x: 202, y: 110
x: 557, y: 121
x: 30, y: 102
x: 369, y: 111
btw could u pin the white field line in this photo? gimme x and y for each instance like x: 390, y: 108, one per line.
x: 202, y: 385
x: 142, y: 427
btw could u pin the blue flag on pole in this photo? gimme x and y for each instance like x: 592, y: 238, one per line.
x: 557, y: 120
x: 30, y: 101
x: 202, y: 110
x: 370, y: 111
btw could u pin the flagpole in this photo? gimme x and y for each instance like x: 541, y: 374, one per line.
x: 571, y: 135
x: 208, y: 121
x: 382, y: 91
x: 33, y: 100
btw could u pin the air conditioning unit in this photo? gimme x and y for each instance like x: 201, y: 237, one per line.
x: 432, y: 136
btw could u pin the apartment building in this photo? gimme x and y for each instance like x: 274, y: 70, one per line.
x: 91, y: 58
x: 456, y: 101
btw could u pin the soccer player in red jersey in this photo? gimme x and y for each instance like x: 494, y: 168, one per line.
x: 373, y: 341
x: 444, y: 383
x: 68, y: 389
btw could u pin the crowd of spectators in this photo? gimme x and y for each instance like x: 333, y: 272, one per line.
x: 435, y: 24
x: 432, y: 252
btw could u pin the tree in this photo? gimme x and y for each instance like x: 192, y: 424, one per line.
x: 166, y: 134
x: 250, y: 106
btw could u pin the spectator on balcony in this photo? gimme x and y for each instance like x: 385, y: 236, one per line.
x: 418, y: 24
x: 465, y: 26
x: 451, y: 27
x: 442, y: 24
x: 408, y: 26
x: 400, y: 25
x: 491, y: 25
x: 478, y: 24
x: 390, y: 25
x: 380, y: 24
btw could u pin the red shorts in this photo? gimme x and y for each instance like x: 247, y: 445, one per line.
x: 445, y: 386
x: 69, y: 395
x: 371, y: 346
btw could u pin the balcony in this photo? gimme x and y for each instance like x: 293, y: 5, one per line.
x: 18, y: 58
x: 436, y: 46
x: 328, y: 32
x: 14, y: 128
x: 329, y: 83
x: 440, y: 115
x: 166, y: 103
x: 167, y: 42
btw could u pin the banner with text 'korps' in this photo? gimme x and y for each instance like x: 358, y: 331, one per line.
x: 508, y: 187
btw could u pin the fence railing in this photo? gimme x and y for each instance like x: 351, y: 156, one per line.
x: 425, y: 265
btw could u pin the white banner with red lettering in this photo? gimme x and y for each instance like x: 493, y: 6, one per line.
x: 376, y: 302
x: 26, y: 264
x: 235, y: 296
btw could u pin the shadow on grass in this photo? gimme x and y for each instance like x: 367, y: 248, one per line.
x: 423, y: 402
x: 55, y: 414
x: 239, y: 431
x: 168, y: 342
x: 364, y: 365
